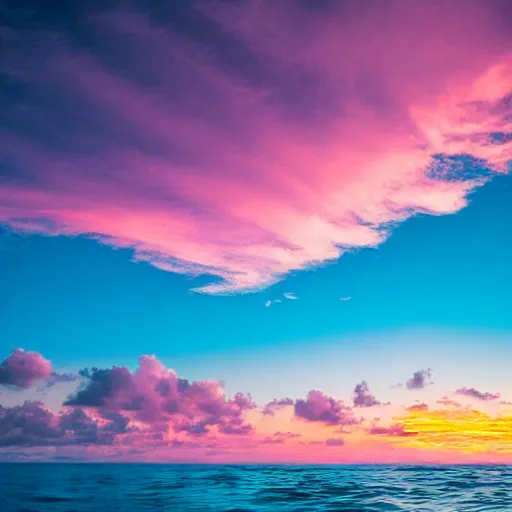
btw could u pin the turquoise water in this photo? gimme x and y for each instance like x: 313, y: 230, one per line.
x: 141, y: 487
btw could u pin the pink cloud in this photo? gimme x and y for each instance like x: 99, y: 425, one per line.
x: 151, y: 414
x: 319, y: 144
x: 479, y: 395
x: 22, y: 369
x: 157, y: 397
x: 322, y: 408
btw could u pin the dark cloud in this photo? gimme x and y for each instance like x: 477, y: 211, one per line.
x: 102, y: 385
x: 22, y: 369
x: 31, y: 424
x: 363, y: 397
x: 420, y: 379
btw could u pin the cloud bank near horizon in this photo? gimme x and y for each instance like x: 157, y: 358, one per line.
x: 263, y: 138
x: 152, y: 413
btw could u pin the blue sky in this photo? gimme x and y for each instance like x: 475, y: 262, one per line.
x: 448, y: 277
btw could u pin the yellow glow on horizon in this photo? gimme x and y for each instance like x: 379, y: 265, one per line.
x: 462, y: 430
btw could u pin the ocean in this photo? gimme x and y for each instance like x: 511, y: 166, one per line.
x: 215, y: 488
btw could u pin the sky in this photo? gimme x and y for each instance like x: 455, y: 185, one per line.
x: 256, y: 232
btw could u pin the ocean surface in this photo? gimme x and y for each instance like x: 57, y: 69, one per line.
x: 201, y: 488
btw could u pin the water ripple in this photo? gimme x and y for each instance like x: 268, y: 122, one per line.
x: 140, y: 487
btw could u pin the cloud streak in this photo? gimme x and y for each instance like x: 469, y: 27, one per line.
x: 163, y: 142
x: 479, y: 395
x: 392, y: 430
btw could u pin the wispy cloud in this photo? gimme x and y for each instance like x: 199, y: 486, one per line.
x: 418, y: 407
x: 287, y: 295
x: 160, y: 141
x: 270, y: 302
x: 391, y: 430
x: 448, y: 402
x: 346, y: 299
x: 276, y: 405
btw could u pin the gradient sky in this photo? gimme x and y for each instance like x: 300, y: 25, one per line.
x: 280, y: 200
